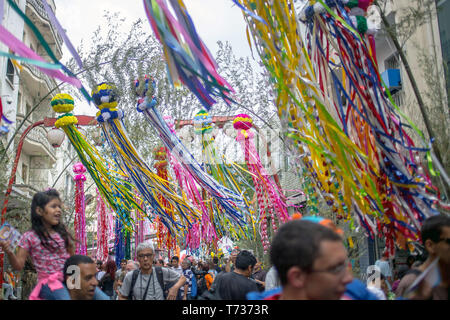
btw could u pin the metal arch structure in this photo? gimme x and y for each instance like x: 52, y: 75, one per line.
x: 47, y: 122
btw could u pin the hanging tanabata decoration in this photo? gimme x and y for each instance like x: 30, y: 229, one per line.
x: 139, y: 229
x: 80, y: 208
x: 4, y: 128
x: 150, y: 186
x: 270, y: 203
x: 165, y: 239
x: 119, y: 245
x: 231, y: 203
x: 202, y: 231
x: 113, y: 189
x: 370, y: 117
x: 102, y: 229
x: 226, y: 174
x: 360, y: 160
x: 188, y: 59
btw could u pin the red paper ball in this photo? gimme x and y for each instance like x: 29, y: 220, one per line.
x: 242, y: 122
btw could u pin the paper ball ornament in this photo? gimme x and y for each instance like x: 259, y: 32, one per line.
x: 55, y: 137
x: 79, y: 168
x: 105, y: 95
x: 242, y: 122
x: 202, y: 122
x: 62, y: 103
x: 141, y: 86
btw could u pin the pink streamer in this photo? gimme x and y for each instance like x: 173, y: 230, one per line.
x: 268, y: 195
x: 187, y: 183
x: 21, y: 49
x: 102, y: 229
x: 80, y: 207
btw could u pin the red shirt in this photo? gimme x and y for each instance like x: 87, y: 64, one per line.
x: 275, y: 296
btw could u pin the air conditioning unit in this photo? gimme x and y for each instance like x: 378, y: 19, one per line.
x: 391, y: 78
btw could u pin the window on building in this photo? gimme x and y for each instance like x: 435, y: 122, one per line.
x: 443, y: 13
x: 24, y: 173
x: 19, y: 102
x: 27, y: 108
x: 393, y: 62
x: 399, y: 97
x: 10, y: 72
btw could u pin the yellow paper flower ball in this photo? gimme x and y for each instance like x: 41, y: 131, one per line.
x: 62, y: 103
x: 66, y: 121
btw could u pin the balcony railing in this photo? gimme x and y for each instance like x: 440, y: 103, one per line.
x: 39, y: 8
x: 50, y: 82
x: 37, y: 135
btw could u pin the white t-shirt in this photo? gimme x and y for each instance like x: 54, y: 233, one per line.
x: 272, y: 280
x: 154, y: 292
x: 178, y: 269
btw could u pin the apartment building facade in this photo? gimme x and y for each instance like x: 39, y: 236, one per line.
x: 24, y: 90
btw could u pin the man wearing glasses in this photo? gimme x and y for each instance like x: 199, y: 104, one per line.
x: 146, y: 284
x: 311, y: 261
x: 435, y: 233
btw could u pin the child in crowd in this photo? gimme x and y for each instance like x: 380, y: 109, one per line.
x: 49, y: 244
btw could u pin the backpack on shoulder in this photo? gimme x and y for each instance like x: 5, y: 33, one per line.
x: 194, y: 287
x: 160, y: 276
x: 201, y: 285
x: 166, y: 287
x: 213, y: 292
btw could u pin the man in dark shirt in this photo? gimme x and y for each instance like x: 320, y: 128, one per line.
x: 259, y: 276
x: 236, y: 284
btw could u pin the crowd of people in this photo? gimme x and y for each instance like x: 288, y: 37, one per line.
x: 308, y: 262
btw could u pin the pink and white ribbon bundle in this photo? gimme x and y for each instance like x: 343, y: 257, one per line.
x: 139, y: 233
x: 102, y: 229
x: 80, y: 208
x: 268, y: 194
x: 202, y: 231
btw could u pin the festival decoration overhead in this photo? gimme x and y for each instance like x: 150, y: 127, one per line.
x: 80, y: 209
x: 203, y: 231
x: 225, y: 174
x: 139, y: 229
x: 158, y: 192
x: 188, y: 59
x: 164, y: 238
x: 231, y: 203
x: 361, y: 160
x: 270, y: 204
x: 102, y: 229
x: 115, y: 190
x: 25, y: 54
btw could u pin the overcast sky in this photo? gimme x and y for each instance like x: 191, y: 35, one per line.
x: 214, y: 20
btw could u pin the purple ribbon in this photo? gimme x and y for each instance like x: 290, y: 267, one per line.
x: 63, y: 35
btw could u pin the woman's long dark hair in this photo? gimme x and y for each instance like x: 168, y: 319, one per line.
x: 40, y: 200
x: 111, y: 269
